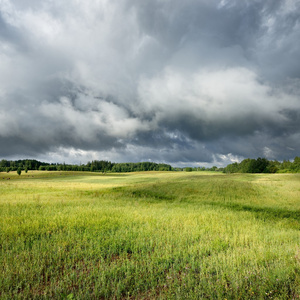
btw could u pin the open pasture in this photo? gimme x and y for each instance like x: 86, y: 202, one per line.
x: 151, y: 235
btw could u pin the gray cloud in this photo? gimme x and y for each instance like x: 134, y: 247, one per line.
x: 180, y: 82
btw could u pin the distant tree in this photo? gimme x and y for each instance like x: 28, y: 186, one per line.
x: 188, y: 169
x: 75, y: 168
x: 296, y: 164
x: 19, y: 171
x: 26, y: 170
x: 4, y: 163
x: 286, y: 165
x: 271, y: 168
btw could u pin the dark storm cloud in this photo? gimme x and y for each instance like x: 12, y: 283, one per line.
x: 193, y: 81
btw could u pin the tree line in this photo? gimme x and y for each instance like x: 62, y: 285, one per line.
x: 94, y: 166
x: 259, y: 165
x: 262, y: 165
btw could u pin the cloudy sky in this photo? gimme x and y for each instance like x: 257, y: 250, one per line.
x: 188, y: 82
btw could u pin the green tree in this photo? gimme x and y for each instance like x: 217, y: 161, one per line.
x: 19, y: 171
x: 296, y: 164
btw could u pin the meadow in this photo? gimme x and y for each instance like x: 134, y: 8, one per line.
x: 149, y: 235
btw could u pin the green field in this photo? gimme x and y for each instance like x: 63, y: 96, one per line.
x: 152, y: 235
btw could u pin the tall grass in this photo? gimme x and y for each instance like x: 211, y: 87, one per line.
x: 149, y: 235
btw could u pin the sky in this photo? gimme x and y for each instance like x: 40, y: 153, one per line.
x: 190, y: 83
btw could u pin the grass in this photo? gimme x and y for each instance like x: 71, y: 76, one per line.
x: 152, y: 235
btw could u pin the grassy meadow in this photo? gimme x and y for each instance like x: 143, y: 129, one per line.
x: 151, y: 235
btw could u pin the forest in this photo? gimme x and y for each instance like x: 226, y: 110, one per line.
x: 94, y: 166
x: 259, y: 165
x: 262, y: 165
